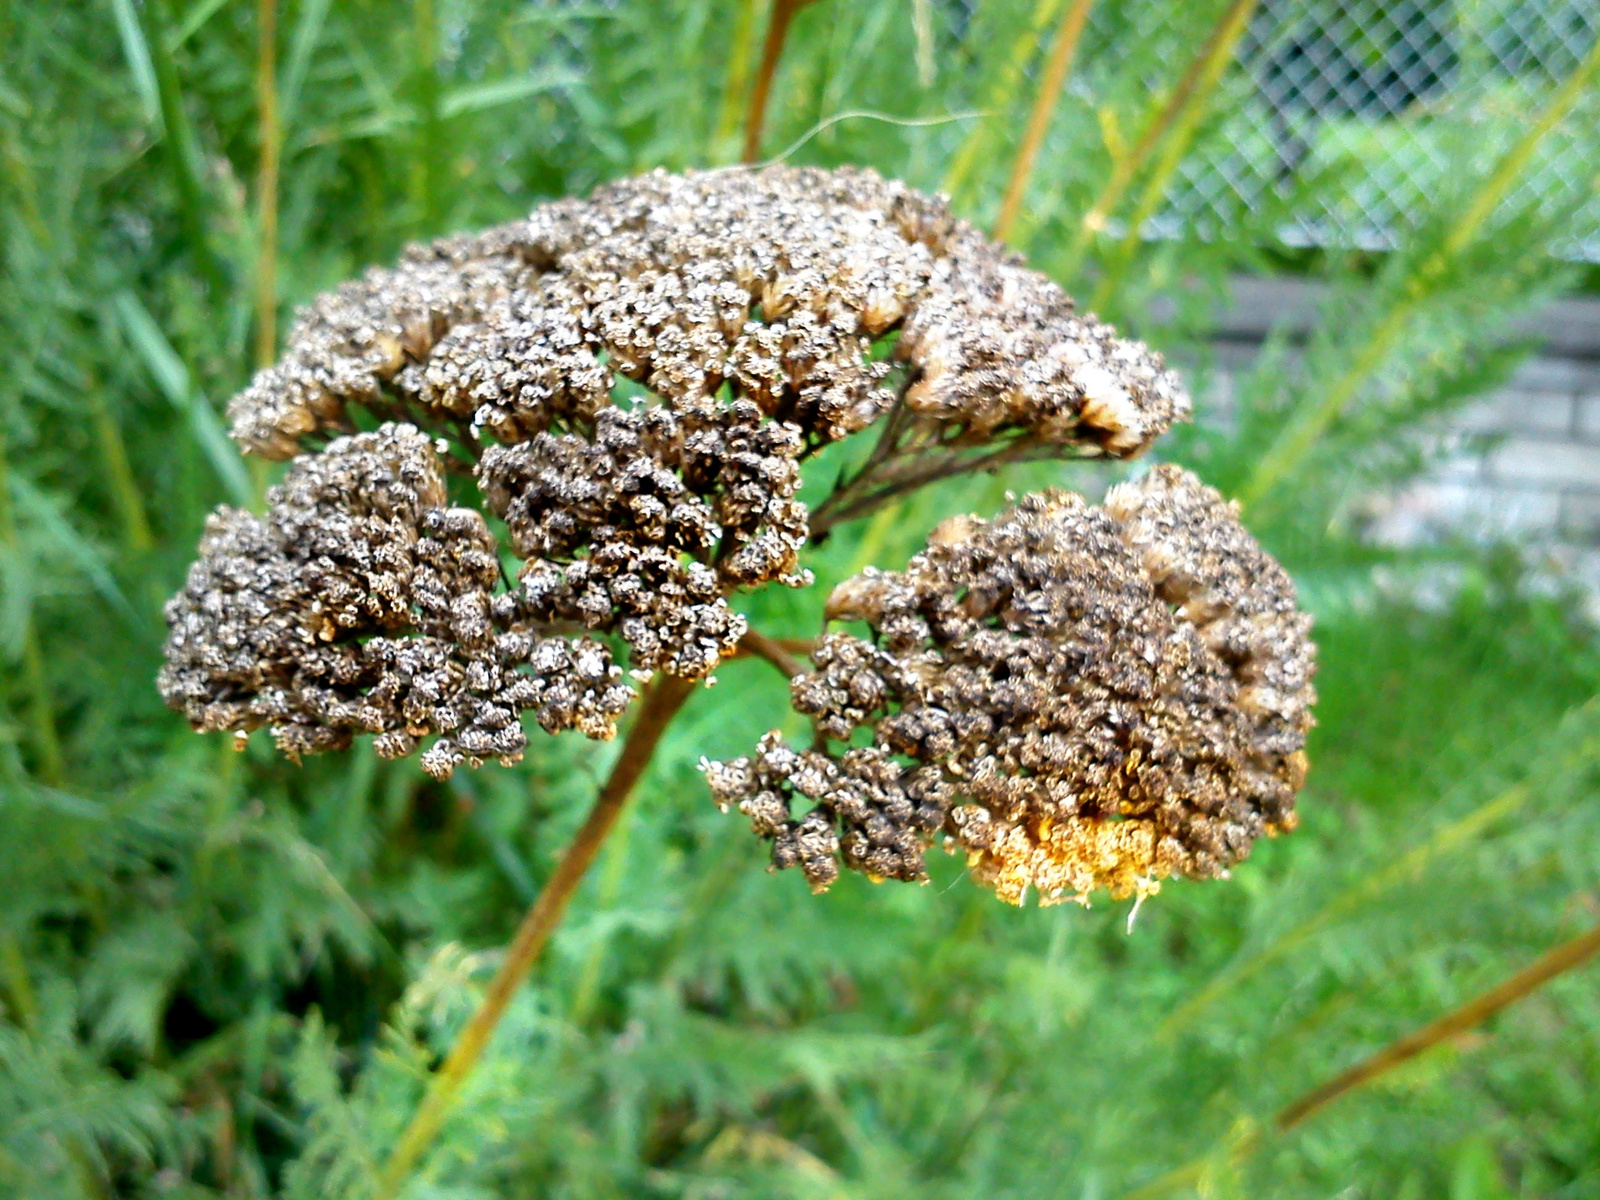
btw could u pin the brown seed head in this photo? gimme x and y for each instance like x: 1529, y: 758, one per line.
x: 764, y: 314
x: 1086, y: 697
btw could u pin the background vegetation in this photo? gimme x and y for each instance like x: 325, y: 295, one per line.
x: 223, y: 975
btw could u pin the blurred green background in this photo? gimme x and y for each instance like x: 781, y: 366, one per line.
x: 224, y: 975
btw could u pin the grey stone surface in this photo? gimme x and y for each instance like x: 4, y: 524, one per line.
x: 1580, y: 517
x: 1588, y: 417
x: 1522, y: 463
x: 1556, y: 466
x: 1522, y: 411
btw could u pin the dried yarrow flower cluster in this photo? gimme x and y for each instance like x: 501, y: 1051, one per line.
x: 1079, y: 697
x: 759, y: 315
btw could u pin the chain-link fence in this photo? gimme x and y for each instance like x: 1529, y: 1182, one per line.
x: 1342, y: 115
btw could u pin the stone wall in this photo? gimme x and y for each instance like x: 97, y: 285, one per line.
x: 1522, y: 463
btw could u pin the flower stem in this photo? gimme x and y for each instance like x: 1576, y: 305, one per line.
x: 1068, y: 34
x: 772, y: 649
x: 660, y: 704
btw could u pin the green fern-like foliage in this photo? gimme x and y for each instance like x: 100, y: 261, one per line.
x: 225, y: 976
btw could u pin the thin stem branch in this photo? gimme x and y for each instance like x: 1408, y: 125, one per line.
x: 1068, y: 35
x: 271, y: 145
x: 1250, y: 1136
x: 875, y: 486
x: 1474, y: 1012
x: 776, y: 652
x: 660, y: 704
x: 783, y: 12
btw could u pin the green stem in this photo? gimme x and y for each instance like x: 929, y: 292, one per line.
x: 1000, y: 96
x: 660, y: 704
x: 182, y: 150
x: 46, y: 740
x: 1217, y: 56
x: 1300, y: 436
x: 119, y: 471
x: 270, y: 137
x: 1126, y: 167
x: 738, y: 77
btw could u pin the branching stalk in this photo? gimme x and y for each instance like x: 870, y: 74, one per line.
x: 1300, y: 436
x: 878, y: 484
x: 775, y: 651
x: 1068, y: 35
x: 660, y: 704
x: 783, y: 12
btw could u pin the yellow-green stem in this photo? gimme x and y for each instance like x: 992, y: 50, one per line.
x: 270, y: 136
x: 119, y: 471
x: 1000, y: 97
x: 1250, y: 1136
x: 46, y: 740
x: 737, y: 78
x: 1068, y: 35
x: 1217, y: 56
x: 1300, y: 436
x: 1125, y: 168
x: 1474, y: 1012
x: 659, y: 705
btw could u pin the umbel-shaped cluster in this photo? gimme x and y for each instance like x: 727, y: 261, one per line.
x: 1079, y: 697
x: 627, y: 388
x: 629, y: 385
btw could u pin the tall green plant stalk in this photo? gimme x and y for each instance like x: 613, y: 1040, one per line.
x: 660, y: 704
x: 1125, y: 168
x: 1300, y: 436
x: 125, y: 491
x: 737, y: 79
x: 783, y: 13
x: 1068, y: 35
x: 182, y: 147
x: 1001, y: 96
x: 1214, y: 61
x: 270, y: 136
x: 430, y: 153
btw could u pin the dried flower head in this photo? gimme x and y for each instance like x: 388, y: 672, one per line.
x: 1080, y: 697
x: 363, y: 603
x: 774, y: 282
x: 635, y: 380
